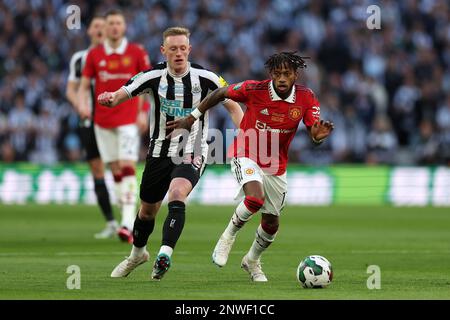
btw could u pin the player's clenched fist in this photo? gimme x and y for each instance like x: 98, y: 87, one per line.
x: 106, y: 98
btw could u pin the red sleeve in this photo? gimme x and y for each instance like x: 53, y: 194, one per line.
x: 143, y: 59
x: 89, y: 66
x: 238, y: 92
x: 312, y: 112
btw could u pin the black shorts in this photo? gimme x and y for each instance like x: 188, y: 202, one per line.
x: 159, y: 172
x: 87, y: 137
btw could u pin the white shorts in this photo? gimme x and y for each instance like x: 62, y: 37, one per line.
x: 275, y: 187
x: 121, y: 143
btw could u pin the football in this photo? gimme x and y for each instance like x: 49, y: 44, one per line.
x: 314, y: 272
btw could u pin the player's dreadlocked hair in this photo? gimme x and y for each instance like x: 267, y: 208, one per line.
x: 291, y: 59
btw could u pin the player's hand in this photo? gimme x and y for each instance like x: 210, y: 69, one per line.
x: 321, y: 129
x: 142, y: 121
x: 106, y: 99
x: 84, y: 111
x: 179, y: 124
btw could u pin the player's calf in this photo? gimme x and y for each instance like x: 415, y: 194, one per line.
x: 242, y: 214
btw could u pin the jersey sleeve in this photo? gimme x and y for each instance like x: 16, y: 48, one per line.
x: 238, y: 92
x: 312, y: 112
x: 89, y: 67
x: 75, y: 68
x: 139, y: 84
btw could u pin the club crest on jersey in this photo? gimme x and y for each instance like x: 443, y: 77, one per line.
x: 126, y: 61
x: 295, y: 113
x: 196, y: 89
x: 249, y: 171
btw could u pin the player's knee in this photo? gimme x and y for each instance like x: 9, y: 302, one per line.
x: 177, y: 194
x: 253, y: 204
x: 128, y: 171
x: 147, y: 213
x: 270, y: 226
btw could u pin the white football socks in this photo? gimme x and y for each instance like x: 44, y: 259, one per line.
x: 240, y: 216
x: 128, y: 201
x: 166, y: 250
x: 137, y: 252
x: 261, y: 242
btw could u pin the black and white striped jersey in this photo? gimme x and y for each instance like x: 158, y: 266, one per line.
x: 75, y: 72
x: 174, y: 97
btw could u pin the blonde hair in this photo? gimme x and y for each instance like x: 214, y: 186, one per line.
x: 176, y: 31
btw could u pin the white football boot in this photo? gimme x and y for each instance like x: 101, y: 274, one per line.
x: 124, y: 268
x: 222, y: 250
x: 109, y: 231
x: 253, y: 267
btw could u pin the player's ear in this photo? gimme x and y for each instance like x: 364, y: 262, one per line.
x: 163, y: 50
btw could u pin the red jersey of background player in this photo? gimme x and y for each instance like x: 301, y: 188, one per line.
x: 111, y: 70
x: 269, y: 117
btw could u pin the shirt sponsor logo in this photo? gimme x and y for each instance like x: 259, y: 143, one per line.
x: 174, y: 108
x: 178, y: 89
x: 106, y: 76
x: 262, y: 126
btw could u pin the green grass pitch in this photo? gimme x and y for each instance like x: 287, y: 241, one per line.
x: 410, y: 245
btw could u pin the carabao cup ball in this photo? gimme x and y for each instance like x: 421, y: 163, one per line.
x: 314, y: 272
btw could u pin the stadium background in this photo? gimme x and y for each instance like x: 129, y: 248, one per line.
x: 386, y: 90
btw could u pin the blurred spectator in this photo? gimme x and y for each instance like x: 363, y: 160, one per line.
x: 381, y: 142
x: 425, y: 144
x: 21, y: 122
x: 46, y: 130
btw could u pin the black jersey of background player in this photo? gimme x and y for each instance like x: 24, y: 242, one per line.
x: 76, y: 67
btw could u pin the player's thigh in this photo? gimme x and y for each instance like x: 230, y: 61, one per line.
x: 156, y: 179
x: 245, y: 171
x: 129, y: 141
x: 190, y: 169
x: 87, y: 137
x: 275, y: 190
x: 107, y: 142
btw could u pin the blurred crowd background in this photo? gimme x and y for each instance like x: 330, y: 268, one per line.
x: 386, y: 90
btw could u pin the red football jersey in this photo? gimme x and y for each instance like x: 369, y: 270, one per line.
x: 111, y: 70
x: 270, y: 123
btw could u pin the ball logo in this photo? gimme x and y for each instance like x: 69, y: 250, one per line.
x: 295, y: 113
x: 249, y: 171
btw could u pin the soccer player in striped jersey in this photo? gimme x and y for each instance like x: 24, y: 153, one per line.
x: 174, y: 166
x: 96, y: 34
x: 259, y: 153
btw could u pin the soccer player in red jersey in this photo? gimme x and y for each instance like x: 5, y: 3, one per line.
x: 96, y: 33
x: 275, y: 108
x: 111, y: 64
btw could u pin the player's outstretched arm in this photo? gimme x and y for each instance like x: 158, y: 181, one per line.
x: 210, y: 101
x: 320, y: 130
x: 235, y: 111
x: 112, y: 99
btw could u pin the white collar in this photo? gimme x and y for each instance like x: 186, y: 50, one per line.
x: 119, y: 50
x: 173, y: 75
x: 275, y: 97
